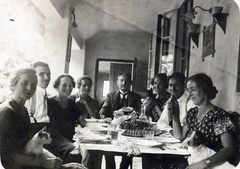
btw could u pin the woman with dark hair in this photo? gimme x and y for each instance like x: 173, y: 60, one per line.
x: 62, y: 111
x: 15, y: 125
x: 87, y: 105
x: 213, y: 122
x: 156, y: 104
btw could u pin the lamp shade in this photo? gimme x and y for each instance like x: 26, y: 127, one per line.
x: 189, y: 16
x: 192, y: 27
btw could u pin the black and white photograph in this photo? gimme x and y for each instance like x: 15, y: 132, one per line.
x: 120, y: 84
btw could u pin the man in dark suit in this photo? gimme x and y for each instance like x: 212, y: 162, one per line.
x: 122, y: 98
x: 116, y: 100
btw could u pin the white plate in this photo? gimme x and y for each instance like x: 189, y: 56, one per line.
x: 92, y: 139
x: 91, y: 120
x: 168, y: 140
x: 146, y: 143
x: 100, y: 131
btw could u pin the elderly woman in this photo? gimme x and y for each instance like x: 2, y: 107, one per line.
x: 156, y: 104
x: 213, y: 122
x: 62, y: 111
x: 87, y: 105
x: 15, y: 124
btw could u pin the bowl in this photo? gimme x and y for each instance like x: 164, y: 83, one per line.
x: 127, y: 110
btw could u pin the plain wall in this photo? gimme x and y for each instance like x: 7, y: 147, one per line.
x: 222, y: 68
x: 119, y: 45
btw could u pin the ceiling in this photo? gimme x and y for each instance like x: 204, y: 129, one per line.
x: 94, y: 16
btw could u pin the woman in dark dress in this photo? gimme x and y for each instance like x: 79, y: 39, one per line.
x: 62, y: 111
x: 213, y: 122
x: 15, y: 125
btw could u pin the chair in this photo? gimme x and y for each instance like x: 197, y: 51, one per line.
x: 235, y: 117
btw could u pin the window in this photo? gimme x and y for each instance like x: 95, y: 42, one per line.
x: 105, y: 87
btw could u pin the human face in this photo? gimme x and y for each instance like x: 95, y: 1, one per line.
x: 175, y: 87
x: 158, y: 86
x: 26, y: 86
x: 44, y: 76
x: 85, y: 87
x: 195, y: 93
x: 65, y: 87
x: 124, y: 83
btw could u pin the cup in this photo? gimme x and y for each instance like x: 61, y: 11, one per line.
x: 112, y: 131
x: 148, y: 134
x: 114, y: 135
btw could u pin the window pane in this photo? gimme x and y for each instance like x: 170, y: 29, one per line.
x: 105, y: 87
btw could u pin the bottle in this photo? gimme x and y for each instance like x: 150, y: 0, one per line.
x: 143, y: 113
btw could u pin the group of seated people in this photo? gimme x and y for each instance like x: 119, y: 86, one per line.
x: 176, y: 104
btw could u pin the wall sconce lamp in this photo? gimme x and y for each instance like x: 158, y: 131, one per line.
x: 192, y: 28
x: 190, y: 15
x: 74, y: 24
x: 220, y: 18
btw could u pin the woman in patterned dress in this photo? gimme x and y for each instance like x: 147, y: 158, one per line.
x: 156, y: 104
x: 208, y: 119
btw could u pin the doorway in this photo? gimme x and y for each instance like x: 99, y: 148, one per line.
x: 106, y: 74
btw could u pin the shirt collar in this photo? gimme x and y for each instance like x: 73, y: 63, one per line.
x: 182, y: 98
x: 41, y: 90
x: 124, y: 93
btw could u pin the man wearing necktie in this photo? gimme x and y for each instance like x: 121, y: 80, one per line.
x: 122, y: 98
x: 116, y: 100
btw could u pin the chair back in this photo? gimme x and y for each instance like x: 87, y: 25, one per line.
x: 235, y: 117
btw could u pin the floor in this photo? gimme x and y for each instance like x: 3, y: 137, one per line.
x: 137, y: 162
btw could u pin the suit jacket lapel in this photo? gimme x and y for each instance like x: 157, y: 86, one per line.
x: 116, y: 101
x: 130, y: 98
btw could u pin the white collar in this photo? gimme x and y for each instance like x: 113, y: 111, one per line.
x: 182, y: 98
x: 41, y: 90
x: 123, y: 93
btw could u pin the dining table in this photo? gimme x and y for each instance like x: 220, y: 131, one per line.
x: 95, y: 136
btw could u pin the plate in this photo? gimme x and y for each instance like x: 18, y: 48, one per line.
x: 146, y: 143
x: 100, y: 131
x: 168, y: 140
x: 92, y: 139
x: 104, y: 125
x: 92, y: 120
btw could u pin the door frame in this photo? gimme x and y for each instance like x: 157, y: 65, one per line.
x: 134, y: 62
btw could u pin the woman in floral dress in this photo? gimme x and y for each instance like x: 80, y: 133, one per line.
x: 212, y: 121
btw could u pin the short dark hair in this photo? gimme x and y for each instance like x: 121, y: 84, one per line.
x: 205, y: 83
x: 57, y: 81
x: 163, y: 77
x: 39, y: 63
x: 179, y: 76
x: 85, y: 77
x: 128, y: 75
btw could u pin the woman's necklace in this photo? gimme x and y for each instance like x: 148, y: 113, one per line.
x: 62, y: 103
x: 202, y: 113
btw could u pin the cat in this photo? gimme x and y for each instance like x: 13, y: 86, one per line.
x: 34, y: 146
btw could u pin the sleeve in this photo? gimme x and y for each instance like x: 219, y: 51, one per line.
x: 49, y: 112
x: 10, y: 143
x: 106, y: 107
x: 164, y: 116
x: 77, y: 111
x: 223, y: 124
x: 95, y: 105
